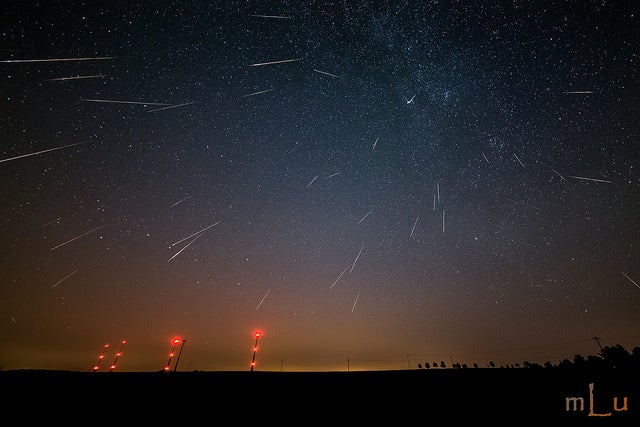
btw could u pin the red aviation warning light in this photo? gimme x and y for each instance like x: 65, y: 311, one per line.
x: 97, y: 365
x: 118, y: 354
x: 174, y: 343
x: 257, y: 334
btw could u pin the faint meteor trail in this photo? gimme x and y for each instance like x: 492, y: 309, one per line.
x: 51, y: 222
x: 328, y: 74
x: 438, y: 187
x: 443, y: 221
x: 197, y: 232
x: 336, y: 281
x: 64, y: 278
x: 572, y: 92
x: 558, y: 173
x: 414, y: 226
x: 374, y: 144
x: 124, y: 102
x: 59, y: 79
x: 179, y: 201
x: 434, y: 202
x: 368, y: 213
x: 40, y: 152
x: 333, y: 174
x: 485, y: 157
x: 272, y: 16
x: 186, y: 246
x: 259, y: 64
x: 263, y: 298
x: 518, y: 159
x: 630, y: 279
x: 171, y: 106
x: 58, y: 59
x: 258, y: 93
x: 590, y: 179
x: 311, y: 182
x: 77, y: 237
x: 355, y: 302
x: 356, y: 260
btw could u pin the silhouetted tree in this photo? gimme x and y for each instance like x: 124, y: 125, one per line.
x: 635, y: 356
x: 442, y: 364
x: 565, y: 363
x: 527, y: 364
x: 579, y: 361
x: 595, y: 361
x: 475, y: 365
x: 492, y: 364
x: 616, y: 356
x: 419, y: 365
x: 435, y: 364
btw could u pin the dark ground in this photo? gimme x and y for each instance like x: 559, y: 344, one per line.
x: 500, y: 396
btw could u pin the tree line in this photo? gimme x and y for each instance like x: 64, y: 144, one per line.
x: 616, y: 356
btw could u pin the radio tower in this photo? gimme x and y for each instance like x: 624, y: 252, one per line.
x: 97, y: 365
x: 597, y: 339
x: 255, y: 349
x: 175, y: 342
x: 118, y: 354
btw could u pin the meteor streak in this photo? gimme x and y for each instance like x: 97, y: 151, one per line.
x: 272, y: 16
x: 77, y: 237
x: 362, y: 219
x: 263, y: 298
x: 179, y: 201
x: 258, y: 93
x: 558, y: 173
x: 336, y: 281
x: 314, y: 178
x: 64, y: 278
x: 186, y: 246
x: 590, y: 179
x: 328, y: 74
x: 356, y: 260
x: 518, y: 159
x: 355, y: 302
x: 572, y: 92
x: 197, y: 232
x: 630, y: 279
x: 51, y: 222
x: 274, y: 62
x: 57, y: 59
x: 170, y: 106
x: 125, y: 102
x: 76, y: 78
x: 40, y: 152
x: 414, y: 226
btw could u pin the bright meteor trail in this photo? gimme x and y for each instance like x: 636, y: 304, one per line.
x: 77, y: 237
x: 40, y: 152
x: 57, y: 59
x: 127, y: 102
x: 274, y: 62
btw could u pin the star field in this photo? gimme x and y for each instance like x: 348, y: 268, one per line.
x: 388, y: 183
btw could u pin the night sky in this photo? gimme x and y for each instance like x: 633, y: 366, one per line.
x: 372, y: 185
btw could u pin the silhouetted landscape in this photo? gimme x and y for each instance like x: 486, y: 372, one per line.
x: 606, y: 385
